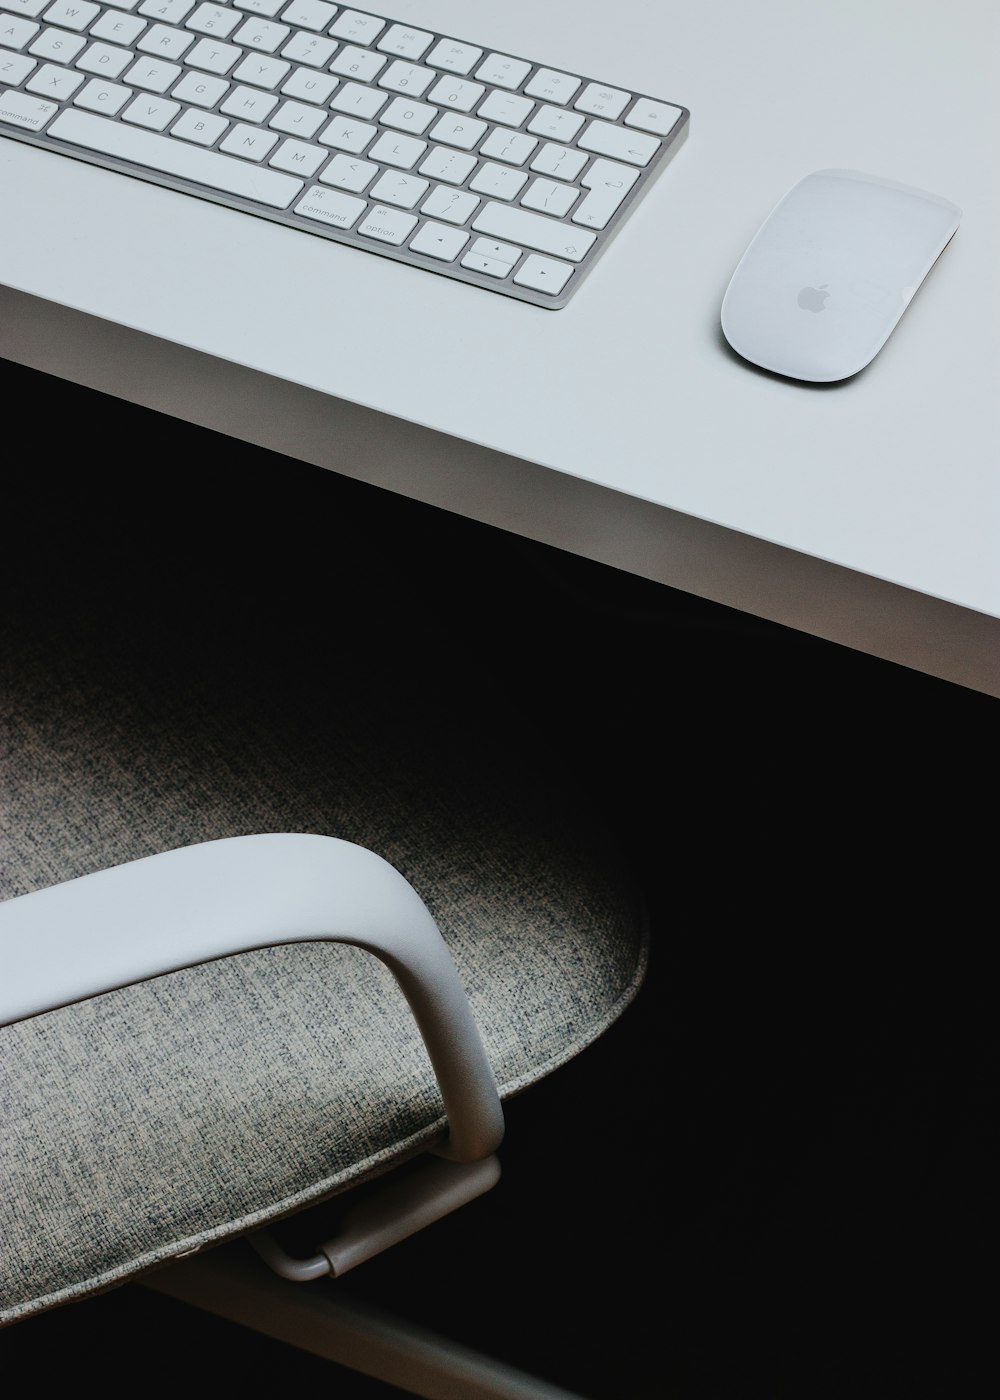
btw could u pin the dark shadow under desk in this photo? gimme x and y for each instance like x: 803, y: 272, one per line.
x: 783, y: 1181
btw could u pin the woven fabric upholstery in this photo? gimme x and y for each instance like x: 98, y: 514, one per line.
x: 146, y: 1122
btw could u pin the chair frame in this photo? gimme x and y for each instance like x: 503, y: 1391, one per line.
x: 218, y: 898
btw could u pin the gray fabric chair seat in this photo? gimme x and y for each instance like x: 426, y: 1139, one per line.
x: 167, y: 1116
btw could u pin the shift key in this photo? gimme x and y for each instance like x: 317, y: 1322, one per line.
x: 534, y: 231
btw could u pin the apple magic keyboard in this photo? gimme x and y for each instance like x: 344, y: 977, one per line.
x: 433, y: 150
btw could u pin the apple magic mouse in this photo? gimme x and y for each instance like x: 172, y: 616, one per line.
x: 831, y: 270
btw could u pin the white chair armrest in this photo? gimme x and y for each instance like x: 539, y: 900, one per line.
x: 198, y: 903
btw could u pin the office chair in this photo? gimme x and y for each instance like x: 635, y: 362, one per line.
x: 280, y: 933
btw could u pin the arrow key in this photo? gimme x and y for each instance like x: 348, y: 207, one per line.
x: 502, y: 252
x: 543, y: 274
x: 535, y: 231
x: 441, y: 241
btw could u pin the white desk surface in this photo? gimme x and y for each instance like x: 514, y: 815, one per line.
x: 621, y: 427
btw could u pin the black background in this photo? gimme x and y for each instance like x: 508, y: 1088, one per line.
x: 773, y: 1176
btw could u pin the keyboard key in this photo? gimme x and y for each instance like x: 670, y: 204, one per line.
x: 297, y: 119
x: 310, y: 14
x: 451, y: 166
x: 105, y: 59
x: 165, y: 41
x: 562, y: 162
x: 502, y: 252
x: 154, y: 113
x: 502, y: 72
x: 491, y: 267
x: 454, y: 57
x: 345, y: 134
x: 387, y: 225
x: 72, y: 14
x: 249, y: 105
x: 357, y: 101
x: 170, y: 157
x: 403, y: 152
x: 265, y: 72
x: 543, y: 274
x: 550, y: 197
x: 453, y: 205
x: 358, y: 28
x: 15, y: 33
x: 506, y: 108
x: 152, y: 75
x: 599, y: 101
x: 555, y: 123
x: 125, y: 29
x: 169, y: 11
x: 407, y: 78
x: 405, y: 43
x: 249, y: 142
x: 298, y: 158
x: 605, y: 139
x: 463, y: 132
x: 657, y: 117
x: 549, y: 86
x: 308, y: 86
x: 349, y: 173
x: 439, y: 241
x: 209, y: 56
x: 330, y: 207
x: 456, y: 94
x: 534, y: 231
x: 200, y: 89
x: 261, y: 34
x: 498, y: 181
x: 404, y: 115
x: 27, y: 113
x: 58, y: 44
x: 512, y: 146
x: 404, y: 191
x: 15, y: 67
x: 311, y: 49
x: 208, y: 19
x: 203, y: 128
x: 608, y: 183
x: 101, y: 96
x: 51, y: 81
x: 359, y: 64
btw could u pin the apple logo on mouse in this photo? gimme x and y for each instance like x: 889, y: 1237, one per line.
x: 813, y: 298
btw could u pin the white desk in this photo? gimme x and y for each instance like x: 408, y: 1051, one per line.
x: 621, y: 427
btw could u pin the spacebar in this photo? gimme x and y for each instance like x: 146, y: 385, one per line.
x: 173, y: 157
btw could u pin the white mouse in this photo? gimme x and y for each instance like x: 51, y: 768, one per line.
x: 832, y: 269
